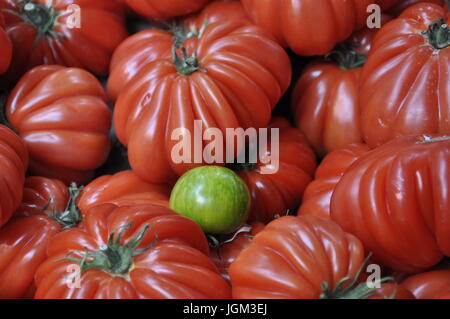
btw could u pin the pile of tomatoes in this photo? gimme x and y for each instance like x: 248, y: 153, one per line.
x: 93, y: 203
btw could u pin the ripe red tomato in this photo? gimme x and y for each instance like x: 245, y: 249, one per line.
x: 325, y: 100
x: 61, y: 114
x: 167, y: 8
x: 309, y: 27
x: 43, y: 35
x: 122, y: 189
x: 433, y: 284
x: 274, y: 194
x: 406, y: 81
x: 386, y: 4
x: 317, y: 196
x: 13, y: 163
x: 225, y: 81
x: 227, y: 251
x: 162, y: 255
x: 389, y: 290
x: 402, y: 5
x: 149, y: 45
x: 395, y: 199
x: 5, y: 47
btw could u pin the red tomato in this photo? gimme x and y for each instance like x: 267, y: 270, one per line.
x: 44, y: 212
x: 401, y: 5
x: 326, y: 98
x: 5, y: 47
x: 149, y: 45
x: 225, y: 81
x: 393, y: 291
x: 43, y: 35
x: 395, y: 199
x: 317, y: 196
x: 433, y: 284
x: 227, y: 251
x: 13, y: 163
x: 167, y: 8
x: 386, y: 4
x: 61, y: 114
x: 300, y: 258
x: 274, y: 194
x: 162, y: 255
x: 309, y: 27
x: 406, y: 80
x: 122, y: 189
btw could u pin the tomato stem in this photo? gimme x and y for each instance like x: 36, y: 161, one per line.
x: 438, y: 34
x: 185, y: 65
x: 71, y: 217
x: 346, y: 58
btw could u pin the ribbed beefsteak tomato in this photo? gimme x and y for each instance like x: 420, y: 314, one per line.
x: 76, y: 33
x: 300, y: 258
x: 5, y: 47
x: 406, y: 79
x: 152, y: 44
x: 13, y: 164
x: 278, y: 192
x: 317, y: 196
x: 309, y: 27
x: 142, y: 251
x: 433, y: 284
x: 223, y: 80
x: 166, y: 8
x: 62, y: 115
x: 396, y: 200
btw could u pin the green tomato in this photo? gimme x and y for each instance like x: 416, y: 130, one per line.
x: 214, y: 197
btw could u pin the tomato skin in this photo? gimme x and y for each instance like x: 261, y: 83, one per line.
x: 62, y: 115
x: 402, y: 5
x: 149, y: 45
x: 295, y: 22
x: 317, y: 196
x: 404, y: 180
x: 160, y: 101
x: 177, y: 265
x: 405, y: 75
x: 13, y: 163
x: 122, y: 189
x: 279, y: 264
x: 101, y: 30
x: 386, y: 4
x: 6, y: 47
x: 275, y: 194
x: 392, y: 289
x: 165, y: 9
x: 433, y: 284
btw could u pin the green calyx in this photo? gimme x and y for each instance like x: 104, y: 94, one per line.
x: 71, y: 217
x: 438, y: 34
x: 42, y: 17
x: 346, y: 57
x: 354, y: 290
x: 113, y: 258
x: 181, y: 33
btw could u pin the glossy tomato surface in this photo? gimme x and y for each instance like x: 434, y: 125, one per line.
x: 317, y: 196
x: 214, y: 197
x: 433, y: 284
x: 309, y: 27
x: 277, y: 186
x: 406, y: 80
x: 76, y: 33
x: 62, y: 115
x: 167, y: 8
x: 402, y: 5
x: 172, y: 264
x: 13, y: 163
x: 5, y: 47
x: 395, y: 199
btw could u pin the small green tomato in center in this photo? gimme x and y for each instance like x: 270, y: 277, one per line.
x: 214, y: 197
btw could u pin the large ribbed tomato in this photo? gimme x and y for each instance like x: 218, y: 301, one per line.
x: 433, y: 284
x: 309, y: 27
x: 62, y: 115
x: 152, y: 44
x: 277, y: 193
x: 142, y: 251
x: 317, y: 196
x: 396, y: 200
x: 224, y: 80
x: 166, y: 8
x: 325, y: 100
x: 5, y: 47
x: 406, y: 79
x: 122, y: 189
x: 401, y: 5
x: 42, y: 34
x: 13, y: 164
